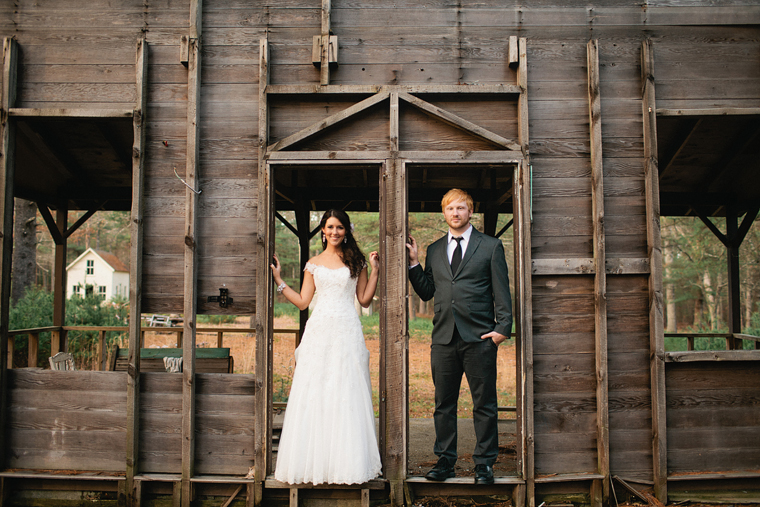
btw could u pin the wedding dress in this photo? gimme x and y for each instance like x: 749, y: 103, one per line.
x: 328, y: 435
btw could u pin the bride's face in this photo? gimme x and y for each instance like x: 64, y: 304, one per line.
x: 334, y: 231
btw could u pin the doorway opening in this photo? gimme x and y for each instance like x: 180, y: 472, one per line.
x: 491, y: 187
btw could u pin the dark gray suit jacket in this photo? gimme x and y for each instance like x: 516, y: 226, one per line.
x: 476, y: 298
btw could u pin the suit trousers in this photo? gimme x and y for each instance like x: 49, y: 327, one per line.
x: 478, y: 362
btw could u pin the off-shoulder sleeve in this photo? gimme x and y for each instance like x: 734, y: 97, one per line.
x: 310, y: 267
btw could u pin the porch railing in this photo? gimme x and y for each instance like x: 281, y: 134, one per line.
x: 34, y: 338
x: 692, y: 337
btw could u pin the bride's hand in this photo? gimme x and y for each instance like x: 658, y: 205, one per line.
x: 374, y: 260
x: 276, y: 268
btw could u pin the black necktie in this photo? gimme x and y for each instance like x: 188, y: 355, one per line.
x: 456, y: 258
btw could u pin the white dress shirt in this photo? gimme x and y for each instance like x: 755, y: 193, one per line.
x: 452, y: 245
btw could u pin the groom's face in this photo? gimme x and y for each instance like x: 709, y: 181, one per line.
x: 457, y: 215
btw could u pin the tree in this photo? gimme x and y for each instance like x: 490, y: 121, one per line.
x: 24, y: 248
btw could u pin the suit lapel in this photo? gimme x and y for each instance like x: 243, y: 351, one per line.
x: 474, y: 243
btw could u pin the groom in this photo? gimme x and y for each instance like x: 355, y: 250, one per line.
x: 467, y: 273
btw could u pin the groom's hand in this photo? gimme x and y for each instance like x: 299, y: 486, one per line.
x: 411, y: 246
x: 496, y: 337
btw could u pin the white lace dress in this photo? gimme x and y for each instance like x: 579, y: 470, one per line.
x: 328, y: 435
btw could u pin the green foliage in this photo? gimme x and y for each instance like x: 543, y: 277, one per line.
x: 91, y: 310
x: 35, y: 309
x: 287, y: 308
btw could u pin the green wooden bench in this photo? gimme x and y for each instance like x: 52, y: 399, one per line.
x: 216, y: 360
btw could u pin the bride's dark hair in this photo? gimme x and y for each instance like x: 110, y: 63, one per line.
x: 351, y: 254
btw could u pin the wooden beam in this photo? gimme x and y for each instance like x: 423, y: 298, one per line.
x: 656, y: 311
x: 192, y: 176
x: 458, y: 122
x: 263, y: 401
x: 328, y: 122
x: 712, y: 111
x: 84, y: 219
x: 7, y: 166
x: 745, y: 140
x: 600, y: 495
x: 505, y: 228
x: 712, y: 356
x: 442, y: 156
x: 394, y: 328
x: 682, y: 139
x: 135, y: 275
x: 287, y: 224
x: 68, y: 113
x: 485, y: 89
x: 58, y: 237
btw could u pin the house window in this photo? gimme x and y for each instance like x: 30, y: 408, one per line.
x: 75, y: 289
x: 102, y: 292
x: 90, y: 267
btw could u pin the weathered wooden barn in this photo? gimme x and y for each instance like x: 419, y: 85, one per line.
x: 585, y: 120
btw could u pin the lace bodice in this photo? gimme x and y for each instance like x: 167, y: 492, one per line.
x: 335, y: 288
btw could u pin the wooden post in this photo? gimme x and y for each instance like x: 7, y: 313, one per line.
x: 656, y: 325
x: 303, y: 224
x: 58, y: 337
x: 219, y: 339
x: 324, y: 58
x: 7, y: 166
x: 523, y: 282
x: 734, y: 283
x: 600, y: 278
x: 11, y: 350
x: 135, y: 276
x: 394, y: 334
x: 33, y: 349
x: 101, y: 350
x: 191, y: 254
x: 264, y: 299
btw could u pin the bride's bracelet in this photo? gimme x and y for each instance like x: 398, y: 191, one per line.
x: 281, y: 287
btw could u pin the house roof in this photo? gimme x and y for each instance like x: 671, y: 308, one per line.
x: 107, y: 257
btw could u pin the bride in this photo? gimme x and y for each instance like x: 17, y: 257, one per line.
x: 328, y: 435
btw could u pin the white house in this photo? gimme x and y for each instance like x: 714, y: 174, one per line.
x: 97, y: 272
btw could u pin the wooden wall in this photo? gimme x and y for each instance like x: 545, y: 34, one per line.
x: 713, y: 410
x: 704, y: 56
x: 77, y: 421
x: 67, y: 420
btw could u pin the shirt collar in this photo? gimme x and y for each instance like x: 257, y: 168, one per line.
x: 466, y: 235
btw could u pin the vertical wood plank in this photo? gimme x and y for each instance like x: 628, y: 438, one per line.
x: 58, y: 337
x: 656, y: 329
x: 524, y: 306
x: 394, y: 325
x: 33, y: 349
x: 136, y: 269
x: 101, y: 350
x: 263, y: 404
x: 601, y: 495
x: 192, y: 177
x: 7, y: 166
x: 734, y: 283
x: 324, y: 57
x: 293, y: 497
x: 393, y: 123
x: 524, y: 280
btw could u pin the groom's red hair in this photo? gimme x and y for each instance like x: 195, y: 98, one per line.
x: 456, y: 194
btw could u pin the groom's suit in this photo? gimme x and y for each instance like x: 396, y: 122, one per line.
x: 468, y: 304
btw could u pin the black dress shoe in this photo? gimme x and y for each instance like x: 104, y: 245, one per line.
x: 441, y: 471
x: 483, y: 474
